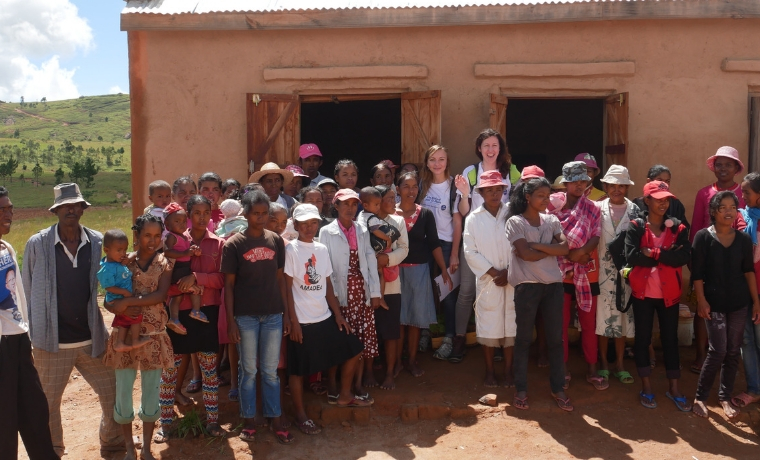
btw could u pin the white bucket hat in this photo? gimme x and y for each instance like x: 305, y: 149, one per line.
x: 617, y: 174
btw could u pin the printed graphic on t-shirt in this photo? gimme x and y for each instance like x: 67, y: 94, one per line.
x: 8, y: 288
x: 432, y: 202
x: 257, y: 254
x: 311, y: 277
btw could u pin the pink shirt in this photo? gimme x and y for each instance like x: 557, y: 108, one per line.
x: 654, y: 286
x: 701, y: 218
x: 350, y: 236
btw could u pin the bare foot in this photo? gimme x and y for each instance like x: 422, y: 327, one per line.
x: 699, y: 409
x: 121, y: 347
x: 398, y: 368
x: 259, y: 420
x: 141, y: 343
x: 369, y: 381
x: 131, y: 454
x: 146, y: 455
x: 388, y: 383
x: 509, y: 382
x: 543, y: 361
x: 182, y: 400
x: 729, y: 410
x: 414, y: 369
x: 490, y: 381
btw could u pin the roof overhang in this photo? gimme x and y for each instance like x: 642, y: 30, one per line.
x: 135, y: 19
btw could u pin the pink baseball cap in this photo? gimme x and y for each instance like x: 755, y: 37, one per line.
x: 588, y: 159
x: 308, y: 150
x: 532, y: 172
x: 727, y: 152
x: 296, y: 170
x: 345, y: 194
x: 657, y: 190
x: 389, y: 164
x: 491, y: 179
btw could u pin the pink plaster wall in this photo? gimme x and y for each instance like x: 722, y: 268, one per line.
x: 191, y: 86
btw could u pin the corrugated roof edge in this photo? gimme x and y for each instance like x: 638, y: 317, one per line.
x: 583, y: 10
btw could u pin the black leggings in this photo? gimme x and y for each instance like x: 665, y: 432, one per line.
x: 643, y: 318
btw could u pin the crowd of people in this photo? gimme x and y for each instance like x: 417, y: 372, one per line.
x: 296, y: 277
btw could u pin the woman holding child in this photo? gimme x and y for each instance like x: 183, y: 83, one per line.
x: 151, y: 277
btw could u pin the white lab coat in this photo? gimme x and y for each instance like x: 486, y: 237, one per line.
x: 485, y: 246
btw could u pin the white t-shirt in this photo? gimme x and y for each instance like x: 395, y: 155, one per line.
x: 437, y: 200
x: 309, y: 266
x: 477, y: 199
x: 10, y: 316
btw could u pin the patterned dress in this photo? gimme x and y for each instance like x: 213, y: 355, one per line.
x: 357, y: 314
x: 157, y: 354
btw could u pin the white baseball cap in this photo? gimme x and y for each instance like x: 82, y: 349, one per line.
x: 304, y: 212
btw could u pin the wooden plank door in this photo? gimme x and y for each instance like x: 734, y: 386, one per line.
x: 273, y: 126
x: 498, y: 114
x: 754, y: 133
x: 616, y: 131
x: 420, y: 124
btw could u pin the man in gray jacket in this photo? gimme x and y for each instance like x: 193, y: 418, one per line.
x: 65, y: 324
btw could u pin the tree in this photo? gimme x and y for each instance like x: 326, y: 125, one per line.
x: 76, y: 172
x: 21, y: 178
x: 8, y: 168
x: 36, y: 173
x: 100, y: 138
x: 58, y: 176
x: 106, y: 119
x: 16, y: 133
x: 22, y: 101
x: 43, y: 100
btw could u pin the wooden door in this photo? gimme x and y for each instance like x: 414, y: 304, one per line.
x: 420, y: 124
x: 498, y: 114
x: 616, y: 131
x: 273, y: 126
x: 754, y: 133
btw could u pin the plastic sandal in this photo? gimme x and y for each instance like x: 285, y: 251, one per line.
x: 332, y: 399
x: 624, y: 377
x: 598, y: 382
x: 199, y: 315
x: 234, y: 394
x: 194, y: 386
x: 603, y: 373
x: 283, y: 436
x: 175, y: 326
x: 247, y: 434
x: 309, y: 427
x: 520, y: 403
x: 647, y: 400
x: 744, y: 399
x: 563, y: 404
x: 681, y: 402
x: 355, y: 402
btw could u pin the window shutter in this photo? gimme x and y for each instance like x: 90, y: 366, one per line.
x: 616, y: 132
x: 498, y: 114
x: 273, y: 128
x: 420, y: 124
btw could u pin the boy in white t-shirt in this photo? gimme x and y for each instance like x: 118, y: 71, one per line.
x: 320, y: 336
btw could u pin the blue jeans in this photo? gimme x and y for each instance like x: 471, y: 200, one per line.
x: 260, y: 340
x: 449, y: 303
x: 751, y: 354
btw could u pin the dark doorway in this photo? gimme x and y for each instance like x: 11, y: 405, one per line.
x: 550, y: 132
x: 364, y: 131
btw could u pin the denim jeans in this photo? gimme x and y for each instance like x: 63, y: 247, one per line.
x: 466, y: 298
x: 529, y: 299
x: 449, y: 303
x: 751, y: 354
x: 724, y: 334
x: 260, y: 339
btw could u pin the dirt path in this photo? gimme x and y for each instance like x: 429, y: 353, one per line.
x: 608, y: 424
x: 41, y: 118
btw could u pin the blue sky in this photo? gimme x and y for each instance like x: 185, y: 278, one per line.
x: 61, y: 49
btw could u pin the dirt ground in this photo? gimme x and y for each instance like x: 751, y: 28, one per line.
x: 605, y: 424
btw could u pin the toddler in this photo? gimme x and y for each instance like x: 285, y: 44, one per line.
x: 177, y: 246
x: 381, y: 235
x: 116, y: 279
x: 232, y: 222
x: 160, y: 195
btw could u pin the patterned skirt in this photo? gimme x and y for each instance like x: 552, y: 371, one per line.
x: 357, y: 314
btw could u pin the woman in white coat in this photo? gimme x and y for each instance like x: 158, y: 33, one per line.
x: 617, y: 212
x: 488, y: 253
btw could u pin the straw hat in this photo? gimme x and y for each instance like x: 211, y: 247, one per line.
x: 558, y: 184
x: 272, y: 168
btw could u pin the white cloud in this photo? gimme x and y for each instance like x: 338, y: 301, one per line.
x: 115, y: 90
x: 33, y: 34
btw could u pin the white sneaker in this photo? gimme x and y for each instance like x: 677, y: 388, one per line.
x: 444, y: 351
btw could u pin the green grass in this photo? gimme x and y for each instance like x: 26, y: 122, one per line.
x: 100, y: 219
x: 110, y: 189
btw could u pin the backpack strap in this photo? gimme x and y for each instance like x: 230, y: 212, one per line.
x: 472, y: 176
x: 452, y: 196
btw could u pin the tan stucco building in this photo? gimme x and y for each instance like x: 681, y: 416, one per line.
x: 216, y: 85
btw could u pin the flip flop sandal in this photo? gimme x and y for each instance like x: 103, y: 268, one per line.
x: 647, y: 400
x: 234, y: 394
x: 176, y: 327
x: 681, y: 402
x: 332, y: 399
x: 365, y: 397
x: 161, y: 436
x: 194, y: 386
x: 246, y: 434
x: 695, y: 368
x: 568, y: 378
x: 214, y: 430
x: 318, y: 388
x: 744, y: 399
x: 309, y: 427
x: 520, y: 403
x: 283, y: 436
x: 624, y: 377
x: 598, y: 382
x: 199, y: 315
x: 563, y: 404
x: 355, y: 402
x: 603, y: 373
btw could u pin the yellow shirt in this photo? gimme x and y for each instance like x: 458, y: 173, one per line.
x: 594, y: 194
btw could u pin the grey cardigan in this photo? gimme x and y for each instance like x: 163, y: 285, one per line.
x: 39, y: 278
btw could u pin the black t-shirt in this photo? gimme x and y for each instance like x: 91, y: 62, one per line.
x: 255, y: 262
x: 423, y: 239
x: 73, y: 292
x: 722, y: 270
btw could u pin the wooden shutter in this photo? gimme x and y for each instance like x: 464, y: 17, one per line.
x: 420, y: 124
x: 273, y: 129
x: 754, y: 133
x: 616, y: 132
x: 498, y: 114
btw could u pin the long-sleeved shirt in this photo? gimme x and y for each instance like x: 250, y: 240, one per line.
x: 207, y: 271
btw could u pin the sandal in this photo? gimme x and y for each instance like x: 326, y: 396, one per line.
x: 214, y: 430
x: 598, y: 382
x: 745, y: 399
x: 283, y: 436
x: 198, y: 315
x: 695, y: 368
x: 355, y: 402
x: 246, y: 434
x: 624, y: 377
x: 681, y: 402
x: 318, y: 388
x: 309, y: 427
x: 194, y: 386
x: 563, y: 404
x: 176, y: 327
x: 332, y: 399
x: 603, y: 373
x: 222, y: 380
x: 161, y: 435
x: 567, y: 382
x: 234, y: 394
x: 365, y: 397
x: 520, y: 403
x: 647, y: 400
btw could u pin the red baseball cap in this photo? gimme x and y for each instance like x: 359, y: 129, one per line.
x: 308, y: 150
x: 532, y: 172
x: 296, y: 170
x: 345, y: 194
x: 172, y: 208
x: 657, y: 190
x: 491, y: 179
